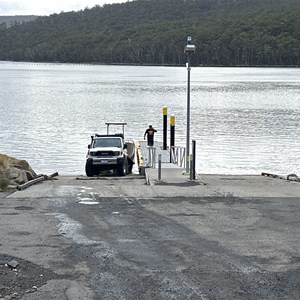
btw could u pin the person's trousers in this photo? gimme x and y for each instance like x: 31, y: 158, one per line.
x: 150, y: 140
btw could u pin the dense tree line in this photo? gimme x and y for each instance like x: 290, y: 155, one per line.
x: 8, y: 21
x: 226, y: 33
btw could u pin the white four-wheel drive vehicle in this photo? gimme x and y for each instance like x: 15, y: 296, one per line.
x: 109, y: 152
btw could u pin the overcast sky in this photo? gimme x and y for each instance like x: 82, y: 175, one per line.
x: 47, y: 7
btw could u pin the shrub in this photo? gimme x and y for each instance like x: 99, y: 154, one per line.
x: 4, y: 182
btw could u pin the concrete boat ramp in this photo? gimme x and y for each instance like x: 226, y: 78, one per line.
x: 174, y: 184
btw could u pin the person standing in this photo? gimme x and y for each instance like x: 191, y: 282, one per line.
x: 150, y: 135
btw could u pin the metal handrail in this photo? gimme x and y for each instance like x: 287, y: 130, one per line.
x: 151, y: 156
x: 178, y: 156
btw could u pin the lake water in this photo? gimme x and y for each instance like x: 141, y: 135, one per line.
x: 244, y: 120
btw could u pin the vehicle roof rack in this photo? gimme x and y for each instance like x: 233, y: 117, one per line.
x: 110, y: 135
x: 116, y: 124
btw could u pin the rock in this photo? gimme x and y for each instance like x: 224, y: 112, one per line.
x: 293, y: 177
x: 12, y: 264
x: 14, y: 172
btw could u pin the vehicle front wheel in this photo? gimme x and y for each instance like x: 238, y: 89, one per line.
x: 89, y: 170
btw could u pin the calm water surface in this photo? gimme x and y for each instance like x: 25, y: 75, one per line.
x: 244, y: 120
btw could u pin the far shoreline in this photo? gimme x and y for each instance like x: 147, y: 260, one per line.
x: 149, y: 65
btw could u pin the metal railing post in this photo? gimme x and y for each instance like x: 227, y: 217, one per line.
x: 154, y: 158
x: 151, y: 156
x: 191, y: 166
x: 182, y: 158
x: 159, y: 167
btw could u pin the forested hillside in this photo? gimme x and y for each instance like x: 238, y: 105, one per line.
x: 8, y: 21
x: 226, y: 33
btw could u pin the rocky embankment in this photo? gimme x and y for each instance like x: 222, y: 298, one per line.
x: 14, y: 172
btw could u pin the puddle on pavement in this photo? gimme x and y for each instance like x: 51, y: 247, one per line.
x: 71, y: 229
x: 88, y: 202
x: 83, y: 188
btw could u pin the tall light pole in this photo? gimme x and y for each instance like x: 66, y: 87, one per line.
x: 189, y: 49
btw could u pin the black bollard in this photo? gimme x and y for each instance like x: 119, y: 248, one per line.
x: 194, y: 158
x: 165, y: 125
x: 172, y: 136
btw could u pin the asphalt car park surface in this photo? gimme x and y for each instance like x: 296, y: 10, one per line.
x: 117, y: 238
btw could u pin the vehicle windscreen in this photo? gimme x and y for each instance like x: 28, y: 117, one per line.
x: 106, y: 142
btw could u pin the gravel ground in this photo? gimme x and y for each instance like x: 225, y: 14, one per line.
x: 24, y: 278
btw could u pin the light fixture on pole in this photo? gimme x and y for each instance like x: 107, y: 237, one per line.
x: 189, y: 49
